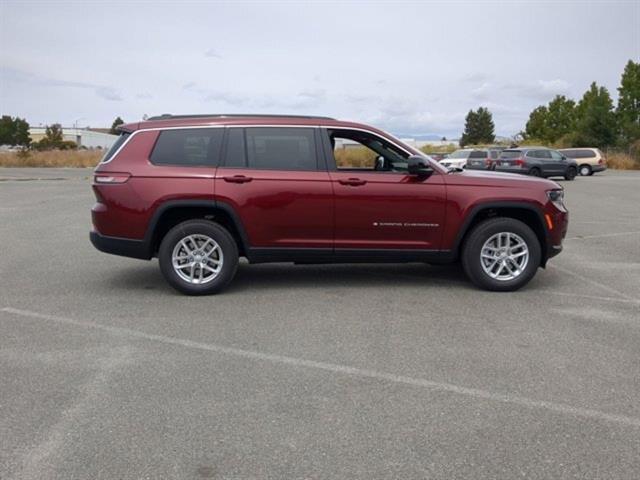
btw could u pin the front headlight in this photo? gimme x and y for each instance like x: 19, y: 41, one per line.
x: 557, y: 198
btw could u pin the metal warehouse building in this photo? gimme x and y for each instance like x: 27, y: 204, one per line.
x: 83, y: 137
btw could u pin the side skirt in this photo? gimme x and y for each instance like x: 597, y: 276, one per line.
x: 347, y: 255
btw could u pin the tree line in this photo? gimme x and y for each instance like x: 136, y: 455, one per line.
x: 593, y: 121
x: 14, y: 131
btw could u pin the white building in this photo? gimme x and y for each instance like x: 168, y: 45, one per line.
x: 81, y: 136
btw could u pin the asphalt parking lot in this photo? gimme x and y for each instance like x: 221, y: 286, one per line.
x: 345, y: 371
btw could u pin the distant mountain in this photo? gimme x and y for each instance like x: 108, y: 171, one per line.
x: 424, y: 136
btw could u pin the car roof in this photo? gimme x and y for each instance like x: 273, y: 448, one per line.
x: 204, y: 120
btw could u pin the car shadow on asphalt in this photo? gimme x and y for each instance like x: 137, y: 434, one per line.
x: 282, y: 276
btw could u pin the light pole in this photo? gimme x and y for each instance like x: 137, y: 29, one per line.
x: 75, y: 128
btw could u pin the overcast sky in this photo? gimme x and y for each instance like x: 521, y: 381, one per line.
x: 408, y: 67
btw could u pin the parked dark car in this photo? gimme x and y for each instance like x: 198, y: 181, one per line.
x: 484, y: 158
x: 537, y: 162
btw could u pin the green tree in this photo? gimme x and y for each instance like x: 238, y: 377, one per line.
x: 552, y: 122
x: 114, y: 126
x: 14, y: 131
x: 536, y: 127
x: 561, y: 118
x: 595, y: 119
x: 478, y: 128
x: 53, y: 134
x: 21, y: 134
x: 628, y: 110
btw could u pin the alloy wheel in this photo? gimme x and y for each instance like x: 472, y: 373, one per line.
x: 197, y: 259
x: 504, y: 256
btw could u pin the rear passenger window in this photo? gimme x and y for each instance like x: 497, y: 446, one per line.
x: 281, y: 148
x: 188, y: 147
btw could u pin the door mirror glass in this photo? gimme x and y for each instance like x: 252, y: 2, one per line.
x: 419, y: 166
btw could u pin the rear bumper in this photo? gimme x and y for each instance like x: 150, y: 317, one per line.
x: 124, y: 247
x: 478, y: 167
x: 598, y: 168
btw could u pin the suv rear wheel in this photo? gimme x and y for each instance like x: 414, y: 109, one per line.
x: 501, y: 254
x: 585, y: 170
x: 198, y: 257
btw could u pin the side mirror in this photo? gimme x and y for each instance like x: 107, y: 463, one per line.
x: 419, y: 166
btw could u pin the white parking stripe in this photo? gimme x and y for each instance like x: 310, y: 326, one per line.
x: 590, y: 297
x: 604, y: 235
x: 342, y: 370
x: 585, y: 279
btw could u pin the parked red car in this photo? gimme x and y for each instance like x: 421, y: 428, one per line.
x: 200, y: 191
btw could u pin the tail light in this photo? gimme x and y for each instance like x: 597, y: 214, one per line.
x: 110, y: 178
x: 487, y: 162
x: 519, y: 162
x: 601, y: 161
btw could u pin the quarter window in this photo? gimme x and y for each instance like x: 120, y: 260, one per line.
x: 188, y: 147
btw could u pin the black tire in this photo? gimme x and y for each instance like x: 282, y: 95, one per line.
x: 585, y: 170
x: 471, y: 253
x: 570, y: 174
x: 535, y: 172
x: 199, y: 227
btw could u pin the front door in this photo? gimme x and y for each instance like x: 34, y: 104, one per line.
x: 377, y: 204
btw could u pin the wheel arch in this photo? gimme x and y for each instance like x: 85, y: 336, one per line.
x: 173, y: 212
x: 528, y: 214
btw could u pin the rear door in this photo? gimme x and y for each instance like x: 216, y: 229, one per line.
x: 278, y: 185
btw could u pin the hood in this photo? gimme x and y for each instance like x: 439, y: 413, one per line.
x: 497, y: 179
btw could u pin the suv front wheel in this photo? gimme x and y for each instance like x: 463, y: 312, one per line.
x: 198, y: 257
x: 501, y: 254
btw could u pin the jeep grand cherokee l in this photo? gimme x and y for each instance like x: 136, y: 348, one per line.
x: 198, y: 192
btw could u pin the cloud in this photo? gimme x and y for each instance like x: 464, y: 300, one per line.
x: 103, y: 91
x: 228, y: 98
x: 481, y: 92
x: 212, y: 53
x: 108, y: 93
x: 541, y: 89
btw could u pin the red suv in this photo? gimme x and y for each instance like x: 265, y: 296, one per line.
x: 200, y: 191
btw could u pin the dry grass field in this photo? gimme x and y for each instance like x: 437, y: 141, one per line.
x: 51, y: 158
x: 358, y: 157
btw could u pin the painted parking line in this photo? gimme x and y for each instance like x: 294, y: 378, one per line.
x: 595, y: 283
x: 590, y: 297
x: 339, y: 369
x: 604, y: 235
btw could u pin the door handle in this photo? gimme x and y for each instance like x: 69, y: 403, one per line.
x: 237, y: 179
x: 353, y: 182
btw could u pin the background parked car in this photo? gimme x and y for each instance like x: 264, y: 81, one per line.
x: 438, y: 156
x: 589, y: 160
x: 538, y: 162
x: 484, y: 158
x: 457, y: 159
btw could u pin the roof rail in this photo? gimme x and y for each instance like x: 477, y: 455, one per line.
x: 168, y: 116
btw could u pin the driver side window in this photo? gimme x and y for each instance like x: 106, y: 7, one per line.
x: 362, y: 151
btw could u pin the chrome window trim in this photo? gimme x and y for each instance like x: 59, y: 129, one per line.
x: 438, y: 168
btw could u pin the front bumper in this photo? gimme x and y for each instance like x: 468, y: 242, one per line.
x: 124, y: 247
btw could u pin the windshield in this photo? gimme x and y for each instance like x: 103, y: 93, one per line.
x: 460, y: 154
